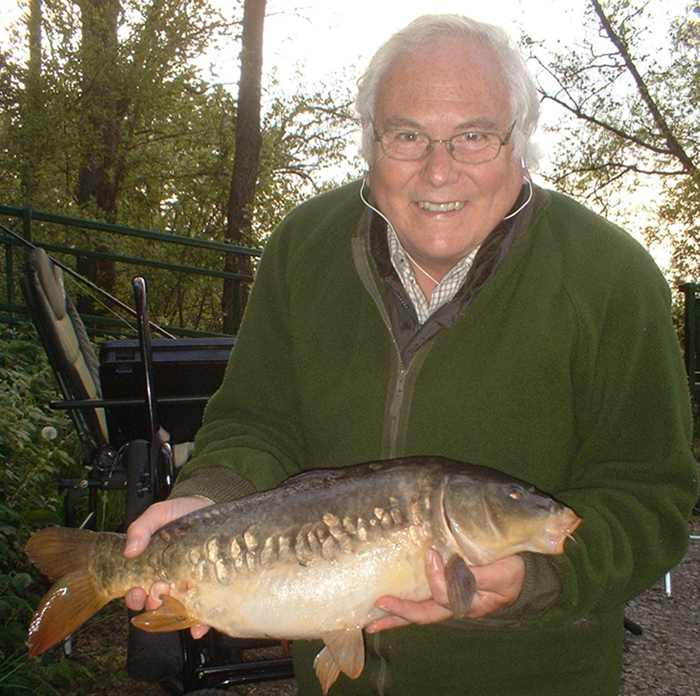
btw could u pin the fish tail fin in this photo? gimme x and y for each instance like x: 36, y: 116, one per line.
x: 69, y: 603
x: 58, y: 551
x: 64, y: 554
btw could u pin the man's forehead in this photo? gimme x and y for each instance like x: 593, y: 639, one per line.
x: 477, y: 122
x: 443, y: 77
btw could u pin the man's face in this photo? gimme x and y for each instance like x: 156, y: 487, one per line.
x: 442, y: 209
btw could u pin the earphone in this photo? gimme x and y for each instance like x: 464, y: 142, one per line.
x: 527, y: 180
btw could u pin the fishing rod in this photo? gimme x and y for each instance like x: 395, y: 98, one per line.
x: 82, y: 279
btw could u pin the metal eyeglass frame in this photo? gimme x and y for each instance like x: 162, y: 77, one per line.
x: 449, y: 146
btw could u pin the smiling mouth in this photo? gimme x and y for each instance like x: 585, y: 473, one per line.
x: 447, y: 207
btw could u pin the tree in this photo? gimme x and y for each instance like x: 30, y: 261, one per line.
x: 156, y: 139
x: 635, y: 112
x: 247, y: 160
x: 31, y: 137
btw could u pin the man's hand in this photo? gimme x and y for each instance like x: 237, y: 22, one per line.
x: 498, y: 585
x: 137, y: 537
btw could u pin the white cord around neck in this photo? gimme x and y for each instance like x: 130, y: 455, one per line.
x: 529, y: 198
x: 405, y: 251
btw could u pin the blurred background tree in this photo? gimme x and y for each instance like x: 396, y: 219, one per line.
x: 108, y: 116
x: 629, y: 139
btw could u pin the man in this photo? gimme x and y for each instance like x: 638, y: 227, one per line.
x: 445, y: 305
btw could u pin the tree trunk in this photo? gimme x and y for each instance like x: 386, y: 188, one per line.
x: 103, y: 107
x: 246, y: 161
x: 32, y: 118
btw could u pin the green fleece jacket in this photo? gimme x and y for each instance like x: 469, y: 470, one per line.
x: 561, y: 368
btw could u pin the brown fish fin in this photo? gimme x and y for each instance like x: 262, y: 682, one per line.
x: 348, y: 649
x: 461, y: 586
x: 327, y: 669
x: 169, y: 616
x: 57, y: 551
x: 69, y: 603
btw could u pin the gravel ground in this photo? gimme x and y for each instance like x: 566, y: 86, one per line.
x: 663, y: 661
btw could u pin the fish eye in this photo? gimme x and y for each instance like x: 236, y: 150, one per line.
x: 516, y: 493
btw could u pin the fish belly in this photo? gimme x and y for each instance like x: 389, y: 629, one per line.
x: 290, y: 600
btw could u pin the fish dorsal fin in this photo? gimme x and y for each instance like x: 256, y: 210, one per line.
x: 344, y: 652
x: 461, y: 586
x: 170, y: 616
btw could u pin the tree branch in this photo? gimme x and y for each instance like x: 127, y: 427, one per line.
x: 606, y: 126
x: 675, y: 148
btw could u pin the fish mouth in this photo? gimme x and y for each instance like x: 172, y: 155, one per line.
x: 555, y: 537
x: 437, y: 207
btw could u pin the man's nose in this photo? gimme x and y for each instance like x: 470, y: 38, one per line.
x: 439, y: 167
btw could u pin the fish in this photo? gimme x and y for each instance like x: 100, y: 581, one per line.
x: 308, y: 558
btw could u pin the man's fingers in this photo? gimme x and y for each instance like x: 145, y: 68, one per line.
x: 499, y: 585
x: 385, y: 623
x: 199, y: 630
x: 142, y: 528
x: 135, y: 598
x: 427, y: 611
x: 158, y: 589
x: 156, y: 516
x: 435, y: 573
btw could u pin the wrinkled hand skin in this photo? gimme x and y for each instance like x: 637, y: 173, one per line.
x: 498, y: 585
x: 137, y: 537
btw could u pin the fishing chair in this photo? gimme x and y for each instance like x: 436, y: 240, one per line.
x: 77, y: 371
x: 75, y: 366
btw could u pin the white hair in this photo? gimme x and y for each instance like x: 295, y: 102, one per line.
x: 429, y: 29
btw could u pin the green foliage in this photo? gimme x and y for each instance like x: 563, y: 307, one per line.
x: 35, y: 443
x: 30, y: 465
x: 160, y: 135
x: 20, y: 591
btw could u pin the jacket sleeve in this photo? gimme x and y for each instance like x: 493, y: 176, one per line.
x: 633, y: 480
x: 250, y: 439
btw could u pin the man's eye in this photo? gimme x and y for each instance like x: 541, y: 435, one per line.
x: 406, y: 136
x: 473, y: 137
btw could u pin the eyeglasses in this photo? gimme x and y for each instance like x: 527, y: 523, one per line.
x: 470, y: 147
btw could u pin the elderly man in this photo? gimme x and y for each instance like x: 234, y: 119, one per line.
x: 446, y: 305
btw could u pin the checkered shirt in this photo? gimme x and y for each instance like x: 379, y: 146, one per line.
x: 442, y: 293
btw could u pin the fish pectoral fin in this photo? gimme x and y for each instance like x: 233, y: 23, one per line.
x: 461, y: 586
x: 327, y: 669
x: 344, y: 652
x: 170, y: 616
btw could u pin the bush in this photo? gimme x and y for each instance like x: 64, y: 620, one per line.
x: 37, y: 446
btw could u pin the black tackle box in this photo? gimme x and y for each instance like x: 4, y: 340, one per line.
x: 182, y: 367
